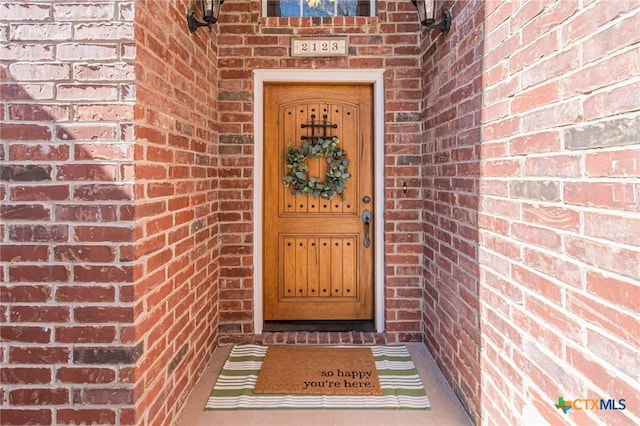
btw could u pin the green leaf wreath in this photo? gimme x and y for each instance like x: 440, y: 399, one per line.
x: 337, y: 173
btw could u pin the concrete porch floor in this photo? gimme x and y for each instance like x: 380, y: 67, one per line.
x: 445, y: 408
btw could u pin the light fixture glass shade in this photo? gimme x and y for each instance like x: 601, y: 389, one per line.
x: 210, y: 14
x: 211, y: 10
x: 426, y: 11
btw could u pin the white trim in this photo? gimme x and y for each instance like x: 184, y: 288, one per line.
x: 374, y: 76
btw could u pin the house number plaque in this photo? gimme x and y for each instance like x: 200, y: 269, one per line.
x: 319, y: 46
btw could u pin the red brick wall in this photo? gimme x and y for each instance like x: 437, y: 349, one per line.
x: 452, y: 81
x: 176, y: 186
x: 109, y: 227
x: 388, y: 40
x: 550, y: 147
x: 516, y: 134
x: 67, y: 212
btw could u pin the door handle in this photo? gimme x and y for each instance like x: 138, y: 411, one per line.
x: 366, y: 219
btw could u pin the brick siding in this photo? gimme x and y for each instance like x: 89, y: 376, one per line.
x: 109, y: 211
x: 177, y: 229
x: 389, y: 40
x: 127, y: 196
x: 531, y: 200
x: 67, y: 213
x: 451, y: 185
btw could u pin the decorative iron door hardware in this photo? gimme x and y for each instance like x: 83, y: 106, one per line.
x: 324, y: 125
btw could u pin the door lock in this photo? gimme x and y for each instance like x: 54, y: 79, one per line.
x: 366, y: 219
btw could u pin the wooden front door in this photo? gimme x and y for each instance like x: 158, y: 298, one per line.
x: 318, y: 253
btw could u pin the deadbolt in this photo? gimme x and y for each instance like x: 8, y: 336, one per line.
x: 366, y: 199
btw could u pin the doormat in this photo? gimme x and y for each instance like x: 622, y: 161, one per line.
x: 399, y: 381
x: 318, y: 370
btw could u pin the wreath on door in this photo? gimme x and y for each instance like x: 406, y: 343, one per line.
x: 337, y: 173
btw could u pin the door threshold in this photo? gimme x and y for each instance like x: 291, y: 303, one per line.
x: 320, y: 325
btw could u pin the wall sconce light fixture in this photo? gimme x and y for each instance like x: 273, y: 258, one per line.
x: 210, y: 13
x: 427, y: 15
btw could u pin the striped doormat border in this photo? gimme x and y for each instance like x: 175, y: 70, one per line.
x: 399, y: 380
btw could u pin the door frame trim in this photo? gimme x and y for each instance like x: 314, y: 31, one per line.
x: 376, y: 78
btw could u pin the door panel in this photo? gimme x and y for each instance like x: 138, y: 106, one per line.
x: 316, y: 265
x: 319, y: 267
